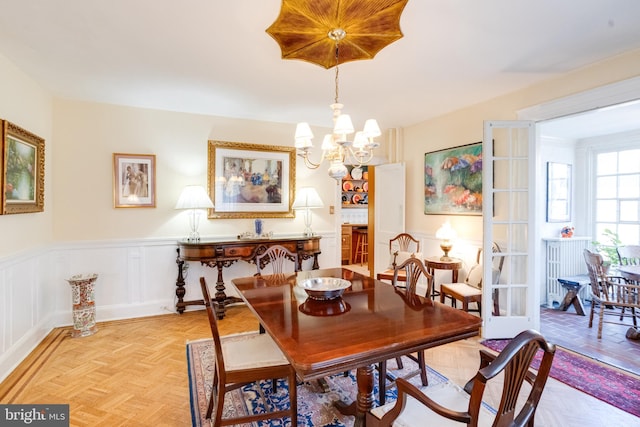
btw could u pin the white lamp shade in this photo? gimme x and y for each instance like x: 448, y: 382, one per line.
x: 307, y: 197
x: 343, y: 125
x: 371, y: 129
x: 194, y: 197
x: 445, y: 232
x: 359, y: 141
x: 303, y: 135
x: 327, y: 143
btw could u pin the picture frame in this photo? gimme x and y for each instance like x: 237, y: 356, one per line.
x: 248, y: 180
x: 558, y: 192
x: 453, y: 181
x: 134, y: 180
x: 22, y: 170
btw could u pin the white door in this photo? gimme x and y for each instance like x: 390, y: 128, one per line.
x: 509, y: 218
x: 389, y: 219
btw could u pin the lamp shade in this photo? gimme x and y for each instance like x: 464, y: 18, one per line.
x: 445, y: 232
x: 194, y: 197
x: 307, y: 198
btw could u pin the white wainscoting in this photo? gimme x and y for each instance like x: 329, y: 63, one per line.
x: 136, y: 278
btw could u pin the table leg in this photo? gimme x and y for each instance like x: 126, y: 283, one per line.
x: 180, y: 290
x: 365, y: 399
x: 572, y: 298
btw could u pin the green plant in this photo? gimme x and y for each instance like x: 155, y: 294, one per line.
x: 609, y: 249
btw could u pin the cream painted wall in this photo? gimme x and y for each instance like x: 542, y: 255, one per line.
x: 90, y: 133
x: 466, y: 126
x: 29, y: 106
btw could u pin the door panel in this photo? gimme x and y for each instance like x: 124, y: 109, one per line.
x: 509, y: 220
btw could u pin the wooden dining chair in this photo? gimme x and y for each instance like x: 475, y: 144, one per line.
x: 470, y: 291
x: 411, y: 269
x: 629, y: 254
x: 277, y: 257
x: 447, y: 403
x: 242, y: 359
x: 401, y: 247
x: 612, y: 296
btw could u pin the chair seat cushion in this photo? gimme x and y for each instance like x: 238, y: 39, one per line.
x: 461, y: 289
x: 250, y: 350
x: 446, y: 394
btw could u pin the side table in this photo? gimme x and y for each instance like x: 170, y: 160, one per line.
x: 435, y: 263
x: 573, y: 285
x: 84, y: 305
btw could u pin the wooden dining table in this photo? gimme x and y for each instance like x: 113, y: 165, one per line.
x: 372, y: 321
x: 631, y: 272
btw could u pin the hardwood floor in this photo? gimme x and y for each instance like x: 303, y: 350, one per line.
x: 134, y: 373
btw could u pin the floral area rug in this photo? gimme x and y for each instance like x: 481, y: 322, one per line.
x: 589, y: 376
x: 315, y: 407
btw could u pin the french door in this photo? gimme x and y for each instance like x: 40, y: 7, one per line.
x: 509, y: 218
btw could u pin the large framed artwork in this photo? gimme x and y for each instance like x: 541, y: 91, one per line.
x: 134, y: 180
x: 558, y: 192
x: 251, y: 180
x: 453, y: 181
x: 22, y: 170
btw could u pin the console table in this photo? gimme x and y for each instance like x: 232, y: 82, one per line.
x: 222, y: 253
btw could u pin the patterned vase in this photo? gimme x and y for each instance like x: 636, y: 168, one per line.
x: 83, y: 303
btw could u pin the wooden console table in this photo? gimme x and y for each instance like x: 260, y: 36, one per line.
x: 222, y: 253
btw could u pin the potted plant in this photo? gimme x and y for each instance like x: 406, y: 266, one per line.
x: 609, y: 249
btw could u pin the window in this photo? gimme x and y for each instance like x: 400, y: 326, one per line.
x: 617, y: 199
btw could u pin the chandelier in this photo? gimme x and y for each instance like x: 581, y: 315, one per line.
x: 336, y: 147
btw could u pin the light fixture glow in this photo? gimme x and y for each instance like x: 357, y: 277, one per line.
x: 446, y: 233
x: 307, y: 198
x: 195, y: 199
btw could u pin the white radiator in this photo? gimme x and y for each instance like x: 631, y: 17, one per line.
x: 565, y: 258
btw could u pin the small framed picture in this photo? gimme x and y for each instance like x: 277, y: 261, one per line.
x: 23, y: 173
x: 134, y: 180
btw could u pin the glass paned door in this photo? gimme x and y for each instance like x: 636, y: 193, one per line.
x: 510, y: 305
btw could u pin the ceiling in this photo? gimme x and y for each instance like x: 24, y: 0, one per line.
x: 214, y: 57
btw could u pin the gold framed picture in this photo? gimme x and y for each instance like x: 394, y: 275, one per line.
x: 22, y: 170
x: 134, y: 180
x: 251, y: 180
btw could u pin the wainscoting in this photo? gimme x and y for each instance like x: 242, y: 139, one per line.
x: 136, y: 278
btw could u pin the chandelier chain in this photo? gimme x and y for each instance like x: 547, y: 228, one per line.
x: 337, y: 73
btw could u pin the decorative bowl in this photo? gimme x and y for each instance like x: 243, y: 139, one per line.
x: 324, y: 288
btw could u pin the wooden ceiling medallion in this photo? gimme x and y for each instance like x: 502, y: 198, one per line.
x: 303, y: 29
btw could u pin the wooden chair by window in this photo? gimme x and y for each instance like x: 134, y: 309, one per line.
x: 412, y: 269
x: 629, y: 255
x: 276, y: 257
x: 436, y: 405
x: 611, y: 295
x: 242, y: 359
x: 401, y: 248
x: 470, y: 291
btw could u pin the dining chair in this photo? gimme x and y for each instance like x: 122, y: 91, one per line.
x: 610, y: 295
x: 401, y: 248
x: 470, y: 291
x: 447, y: 403
x: 242, y: 359
x: 629, y: 254
x: 276, y: 257
x: 411, y: 269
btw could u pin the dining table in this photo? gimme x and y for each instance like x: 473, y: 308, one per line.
x: 371, y: 322
x: 630, y: 272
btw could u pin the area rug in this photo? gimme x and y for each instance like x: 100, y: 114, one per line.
x: 315, y: 407
x: 584, y: 374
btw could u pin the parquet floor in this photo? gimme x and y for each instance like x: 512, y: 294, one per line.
x: 134, y: 373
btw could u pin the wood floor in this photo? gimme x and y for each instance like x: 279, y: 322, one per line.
x: 134, y: 373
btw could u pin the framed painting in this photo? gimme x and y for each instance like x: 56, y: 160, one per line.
x: 134, y: 180
x: 251, y: 180
x: 453, y: 181
x: 23, y: 170
x: 558, y: 192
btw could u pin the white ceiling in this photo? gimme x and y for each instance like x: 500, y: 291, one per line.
x: 214, y: 57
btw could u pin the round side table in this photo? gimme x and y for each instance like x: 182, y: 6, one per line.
x: 84, y: 306
x: 435, y: 263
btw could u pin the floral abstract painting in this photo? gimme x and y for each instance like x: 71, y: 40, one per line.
x: 453, y: 181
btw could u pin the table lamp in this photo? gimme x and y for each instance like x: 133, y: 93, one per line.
x: 307, y: 198
x: 445, y: 233
x: 195, y: 198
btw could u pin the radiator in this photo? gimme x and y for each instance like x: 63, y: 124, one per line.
x: 565, y: 258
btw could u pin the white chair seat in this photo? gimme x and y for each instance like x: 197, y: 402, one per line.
x: 446, y: 394
x: 463, y: 289
x: 250, y: 350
